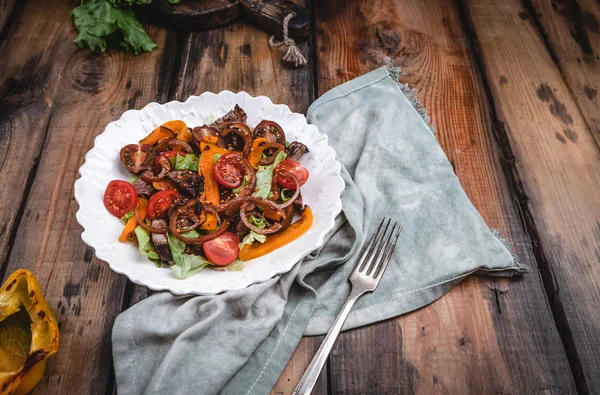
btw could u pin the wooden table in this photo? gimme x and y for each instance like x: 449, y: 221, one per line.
x: 512, y: 88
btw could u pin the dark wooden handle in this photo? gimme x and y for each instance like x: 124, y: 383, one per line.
x: 269, y: 14
x: 190, y: 15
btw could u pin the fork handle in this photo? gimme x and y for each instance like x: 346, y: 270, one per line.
x: 310, y: 377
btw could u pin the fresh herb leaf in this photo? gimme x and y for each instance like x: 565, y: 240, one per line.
x: 97, y: 19
x: 185, y: 265
x: 258, y: 222
x: 188, y: 162
x: 264, y: 176
x: 237, y: 190
x: 145, y: 245
x: 126, y: 217
x: 283, y: 196
x: 251, y: 238
x: 236, y: 266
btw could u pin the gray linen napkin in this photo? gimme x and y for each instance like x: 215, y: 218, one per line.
x: 239, y: 342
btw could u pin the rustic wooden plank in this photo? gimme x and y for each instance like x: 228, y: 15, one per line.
x: 297, y: 365
x: 571, y: 30
x: 91, y: 91
x: 28, y: 80
x: 486, y: 335
x: 6, y: 9
x: 555, y: 169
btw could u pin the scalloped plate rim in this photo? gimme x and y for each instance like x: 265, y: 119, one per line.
x: 134, y: 276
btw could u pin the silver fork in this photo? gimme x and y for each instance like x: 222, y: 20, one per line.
x: 364, y: 278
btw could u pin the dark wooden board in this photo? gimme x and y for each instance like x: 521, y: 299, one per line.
x: 74, y: 96
x: 27, y: 87
x: 190, y: 15
x: 556, y: 170
x: 571, y: 30
x: 268, y: 15
x: 487, y: 335
x: 6, y: 9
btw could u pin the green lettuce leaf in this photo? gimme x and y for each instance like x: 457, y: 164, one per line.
x: 97, y: 19
x: 251, y: 238
x: 126, y: 217
x: 264, y: 176
x: 236, y: 266
x: 283, y: 196
x: 258, y: 222
x: 145, y: 245
x: 185, y: 265
x: 209, y: 120
x: 237, y: 190
x: 215, y: 157
x: 188, y: 162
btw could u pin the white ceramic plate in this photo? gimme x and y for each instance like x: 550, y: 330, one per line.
x: 102, y: 165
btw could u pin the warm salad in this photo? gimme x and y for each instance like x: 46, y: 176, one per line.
x: 212, y: 196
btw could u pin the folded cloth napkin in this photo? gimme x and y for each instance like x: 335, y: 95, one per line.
x: 239, y: 342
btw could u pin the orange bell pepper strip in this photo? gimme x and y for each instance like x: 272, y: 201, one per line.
x: 143, y: 207
x: 127, y: 233
x: 255, y: 154
x: 164, y: 185
x: 158, y: 134
x: 180, y: 129
x: 211, y: 141
x: 211, y: 187
x: 273, y: 242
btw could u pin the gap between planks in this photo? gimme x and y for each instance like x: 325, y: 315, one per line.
x: 513, y: 175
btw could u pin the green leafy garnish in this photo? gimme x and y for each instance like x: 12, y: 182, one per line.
x: 145, y: 245
x: 126, y: 217
x: 258, y: 222
x: 282, y: 195
x: 98, y: 19
x: 185, y: 265
x: 215, y: 157
x: 188, y: 162
x: 236, y: 266
x: 133, y: 178
x: 251, y: 238
x: 264, y: 176
x: 237, y: 190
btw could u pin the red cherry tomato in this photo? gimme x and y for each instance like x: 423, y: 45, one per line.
x: 296, y: 169
x: 223, y: 250
x: 166, y: 154
x: 228, y: 172
x: 120, y: 198
x: 160, y: 202
x: 137, y: 158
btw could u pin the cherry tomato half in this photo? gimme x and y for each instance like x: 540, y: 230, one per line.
x: 160, y: 202
x: 137, y: 158
x: 120, y: 198
x: 166, y: 154
x: 296, y: 169
x: 228, y: 172
x: 223, y: 250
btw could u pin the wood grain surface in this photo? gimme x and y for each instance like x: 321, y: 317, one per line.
x: 465, y: 342
x: 556, y: 169
x: 571, y: 30
x: 70, y: 102
x: 6, y: 9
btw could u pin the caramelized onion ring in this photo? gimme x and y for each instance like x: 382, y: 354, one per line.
x: 271, y: 158
x: 296, y: 193
x: 241, y: 130
x: 198, y: 240
x: 173, y: 143
x: 264, y: 231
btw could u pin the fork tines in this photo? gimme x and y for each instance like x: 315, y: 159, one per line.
x: 378, y: 251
